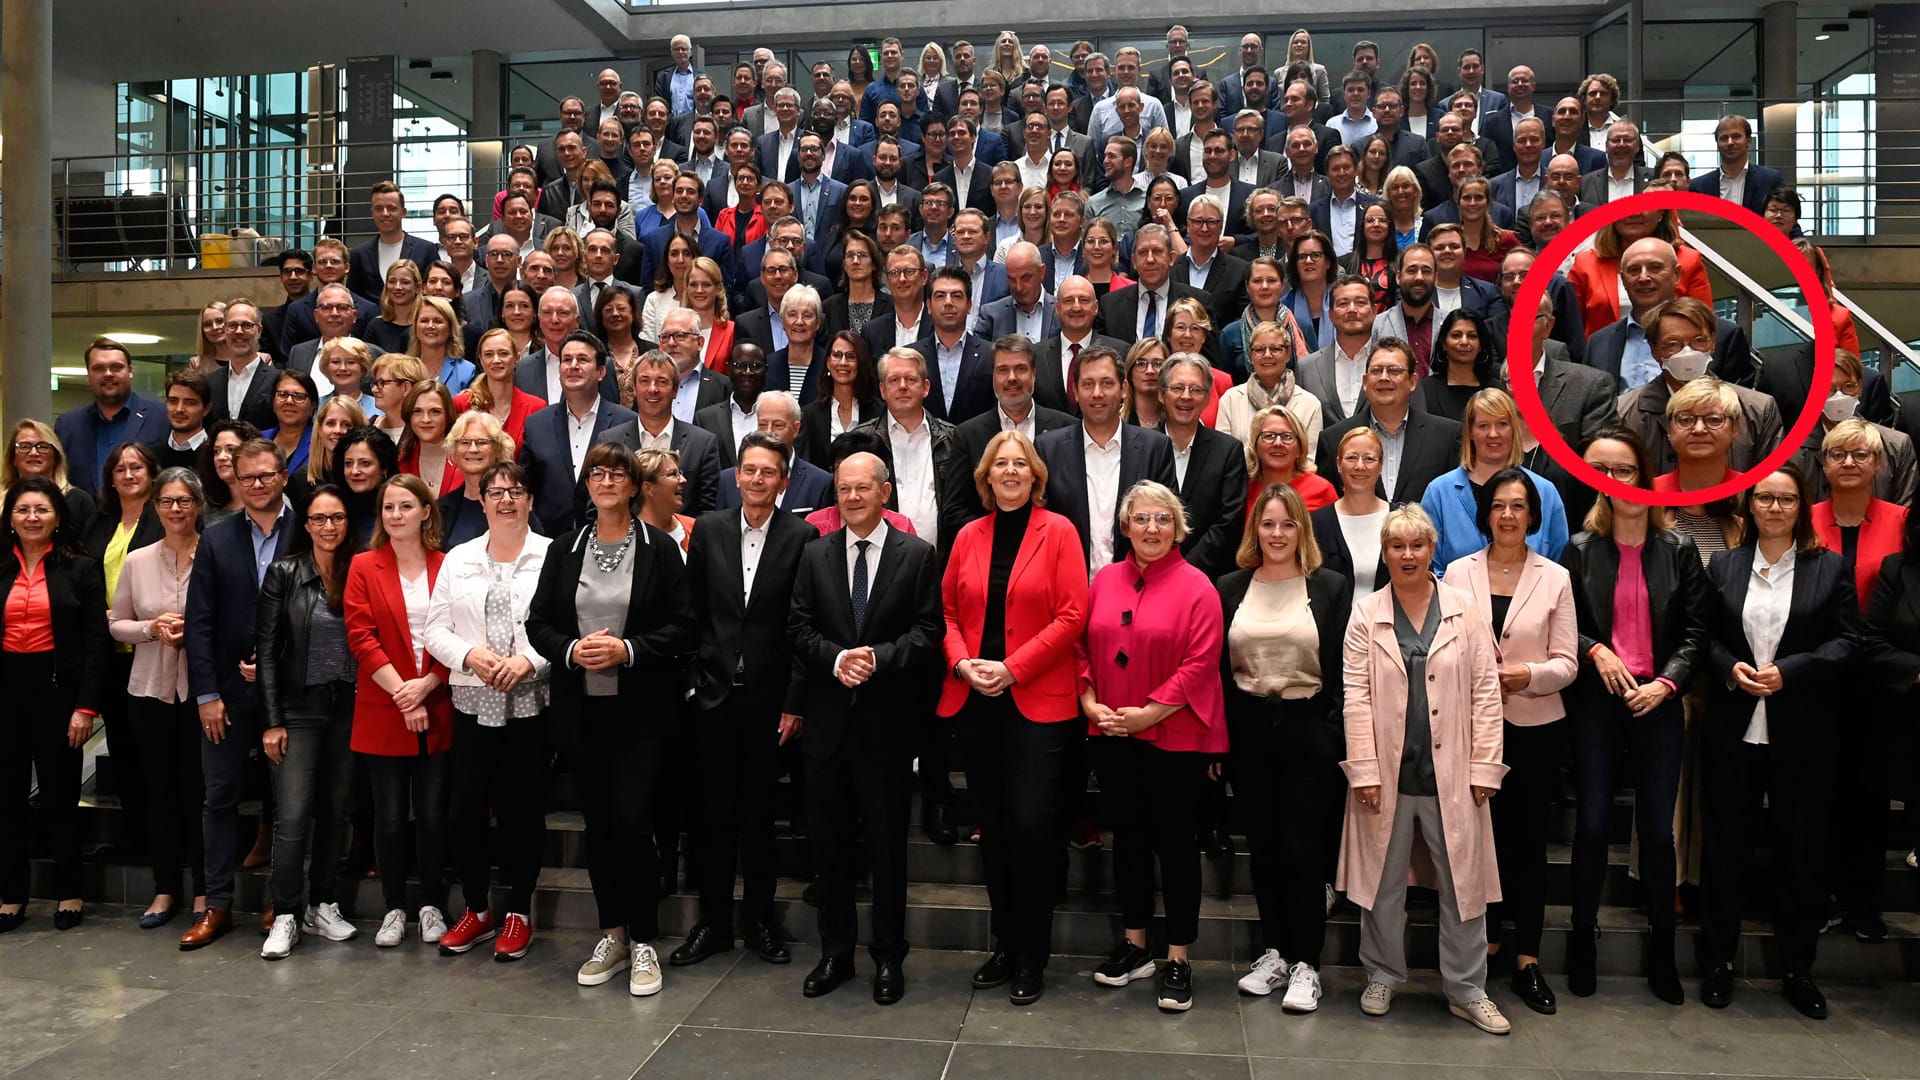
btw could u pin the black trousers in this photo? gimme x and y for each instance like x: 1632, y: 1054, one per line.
x: 123, y: 743
x: 33, y: 741
x: 1521, y: 821
x: 1155, y: 808
x: 416, y: 787
x: 169, y: 738
x: 504, y: 769
x: 617, y: 773
x: 739, y: 756
x: 1602, y: 733
x: 935, y: 752
x: 862, y: 790
x: 1797, y: 787
x: 1014, y: 771
x: 1857, y: 833
x: 1292, y: 798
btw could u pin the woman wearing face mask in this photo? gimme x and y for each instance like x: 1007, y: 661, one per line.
x: 1527, y: 599
x: 1423, y: 727
x: 1893, y: 468
x: 1490, y: 443
x: 1782, y: 654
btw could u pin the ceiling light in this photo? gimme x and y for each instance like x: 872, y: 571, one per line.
x: 129, y: 338
x: 1827, y: 30
x: 69, y: 372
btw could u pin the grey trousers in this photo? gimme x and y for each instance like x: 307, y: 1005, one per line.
x: 1383, y: 929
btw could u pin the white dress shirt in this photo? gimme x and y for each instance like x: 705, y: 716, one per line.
x: 1034, y: 174
x: 752, y: 542
x: 1067, y: 354
x: 553, y: 376
x: 580, y: 433
x: 876, y: 543
x: 914, y: 483
x: 906, y: 333
x: 1103, y: 497
x: 1619, y: 189
x: 661, y: 440
x: 1349, y: 375
x: 1247, y: 169
x: 745, y: 421
x: 1733, y: 188
x: 1764, y: 619
x: 1024, y: 426
x: 237, y: 383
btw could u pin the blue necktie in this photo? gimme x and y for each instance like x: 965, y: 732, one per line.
x: 860, y: 585
x: 1148, y: 328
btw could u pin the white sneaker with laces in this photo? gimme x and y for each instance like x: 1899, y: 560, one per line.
x: 644, y: 979
x: 281, y: 939
x: 1303, y: 989
x: 609, y: 956
x: 1376, y: 999
x: 1268, y: 972
x: 393, y: 930
x: 433, y: 925
x: 326, y: 920
x: 1483, y: 1014
x: 1329, y: 898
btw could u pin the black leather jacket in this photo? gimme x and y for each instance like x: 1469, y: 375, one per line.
x: 1677, y: 598
x: 282, y: 624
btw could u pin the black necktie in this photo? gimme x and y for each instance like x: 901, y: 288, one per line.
x: 1151, y: 323
x: 860, y: 585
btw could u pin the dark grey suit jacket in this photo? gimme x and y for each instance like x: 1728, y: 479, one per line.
x: 1432, y: 449
x: 699, y: 460
x: 1145, y: 454
x: 1593, y: 186
x: 1216, y: 497
x: 1050, y: 371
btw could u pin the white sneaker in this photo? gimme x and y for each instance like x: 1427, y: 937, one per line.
x: 1376, y: 999
x: 393, y: 930
x: 281, y: 939
x: 1483, y: 1014
x: 1303, y: 990
x: 1268, y: 972
x: 609, y: 956
x: 433, y: 925
x: 1329, y: 898
x: 645, y: 980
x: 326, y: 920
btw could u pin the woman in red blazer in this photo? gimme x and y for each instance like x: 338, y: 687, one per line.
x: 402, y: 714
x: 1595, y: 273
x: 1016, y: 598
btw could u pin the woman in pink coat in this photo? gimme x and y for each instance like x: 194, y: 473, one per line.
x: 1423, y: 716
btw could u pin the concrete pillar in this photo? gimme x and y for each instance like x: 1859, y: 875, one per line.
x: 26, y: 175
x: 486, y: 136
x: 1636, y: 88
x: 1779, y: 85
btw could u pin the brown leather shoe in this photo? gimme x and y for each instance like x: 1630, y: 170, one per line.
x: 266, y: 920
x: 262, y: 852
x: 207, y: 927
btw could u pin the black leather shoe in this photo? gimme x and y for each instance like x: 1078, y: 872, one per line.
x: 1530, y: 986
x: 11, y: 921
x: 67, y: 920
x: 1028, y: 984
x: 1805, y: 996
x: 705, y: 940
x: 939, y: 825
x: 1716, y: 988
x: 1583, y: 946
x: 767, y: 942
x: 827, y: 975
x: 997, y: 971
x: 811, y: 894
x: 1663, y: 977
x: 1869, y: 927
x: 889, y: 982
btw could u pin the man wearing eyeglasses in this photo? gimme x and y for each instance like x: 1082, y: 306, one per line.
x: 233, y: 558
x: 1223, y: 280
x: 242, y: 388
x: 296, y: 280
x: 1650, y: 276
x: 1681, y: 333
x: 657, y: 385
x: 1210, y: 465
x: 908, y: 322
x: 333, y: 312
x: 115, y: 415
x: 330, y: 265
x: 557, y: 437
x: 1418, y: 445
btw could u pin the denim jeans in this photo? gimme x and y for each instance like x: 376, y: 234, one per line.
x: 311, y: 785
x: 420, y: 787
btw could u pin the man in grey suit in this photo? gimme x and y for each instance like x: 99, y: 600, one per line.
x: 1061, y: 136
x: 1336, y: 373
x: 1580, y: 399
x: 334, y: 322
x: 1015, y: 410
x: 1251, y: 164
x: 1026, y: 309
x: 1091, y: 466
x: 654, y: 428
x: 1624, y: 167
x: 1428, y: 445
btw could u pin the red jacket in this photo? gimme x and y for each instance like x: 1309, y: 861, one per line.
x: 1882, y: 532
x: 377, y: 632
x: 524, y: 405
x: 1596, y: 281
x: 1046, y: 611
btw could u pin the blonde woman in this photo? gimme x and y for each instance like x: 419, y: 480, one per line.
x: 213, y: 339
x: 563, y: 244
x: 399, y: 301
x: 1270, y: 357
x: 394, y: 376
x: 436, y: 342
x: 493, y: 392
x: 341, y: 366
x: 35, y: 450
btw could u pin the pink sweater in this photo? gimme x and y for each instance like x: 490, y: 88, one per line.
x: 1170, y: 630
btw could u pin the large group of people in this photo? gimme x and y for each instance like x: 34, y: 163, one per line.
x: 1132, y: 425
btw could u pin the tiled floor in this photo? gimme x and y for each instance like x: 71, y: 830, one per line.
x: 110, y: 1000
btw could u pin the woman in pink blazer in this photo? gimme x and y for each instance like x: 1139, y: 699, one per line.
x: 1423, y: 720
x: 1527, y: 600
x: 1016, y: 600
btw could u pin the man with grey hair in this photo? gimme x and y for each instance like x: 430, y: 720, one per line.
x: 809, y: 487
x: 1626, y: 172
x: 1210, y: 465
x: 1105, y: 121
x: 1224, y: 280
x: 778, y: 150
x: 675, y: 83
x: 1140, y: 309
x: 1026, y: 309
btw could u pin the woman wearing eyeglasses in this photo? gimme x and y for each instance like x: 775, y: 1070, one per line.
x: 294, y: 398
x: 612, y: 614
x: 1269, y: 353
x: 1782, y: 654
x: 1277, y: 454
x: 394, y: 377
x: 36, y: 451
x: 479, y: 443
x: 1150, y: 689
x: 1640, y: 600
x: 658, y: 483
x: 1703, y: 420
x: 476, y: 626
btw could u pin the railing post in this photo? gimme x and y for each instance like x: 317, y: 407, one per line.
x: 26, y: 175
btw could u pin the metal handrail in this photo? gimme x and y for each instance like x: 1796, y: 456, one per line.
x: 1779, y: 307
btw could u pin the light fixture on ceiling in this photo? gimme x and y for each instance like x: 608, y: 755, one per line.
x: 1827, y: 30
x: 68, y: 372
x: 419, y: 65
x: 128, y: 338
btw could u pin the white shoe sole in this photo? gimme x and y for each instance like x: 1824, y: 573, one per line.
x: 601, y: 979
x: 389, y: 944
x: 1141, y: 972
x: 1372, y: 1009
x: 1175, y: 1006
x: 646, y: 991
x: 1297, y: 1007
x: 1472, y: 1017
x: 479, y: 939
x: 1260, y: 989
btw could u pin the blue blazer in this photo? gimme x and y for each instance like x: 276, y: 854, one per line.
x: 1449, y: 502
x: 146, y: 423
x: 993, y: 281
x: 298, y: 324
x: 767, y: 147
x: 1589, y: 158
x: 559, y: 494
x: 780, y: 374
x: 860, y: 133
x: 1761, y: 182
x: 221, y: 596
x: 972, y: 391
x: 809, y: 488
x: 712, y: 243
x: 363, y: 264
x: 998, y: 318
x: 989, y: 147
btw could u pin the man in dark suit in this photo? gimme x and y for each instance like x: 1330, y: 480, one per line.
x: 970, y: 178
x: 655, y: 427
x: 330, y: 267
x: 246, y: 366
x: 778, y: 151
x: 546, y: 159
x: 1343, y: 175
x: 741, y: 567
x: 365, y: 274
x: 866, y: 630
x: 1497, y: 122
x: 221, y: 597
x: 1738, y: 178
x: 790, y: 234
x: 499, y: 268
x: 559, y: 195
x: 1429, y: 445
x: 1389, y: 113
x: 1787, y: 377
x: 599, y: 255
x: 1320, y: 373
x: 973, y: 255
x: 1514, y: 189
x: 1649, y: 270
x: 731, y: 420
x: 538, y: 372
x: 1201, y: 267
x: 1674, y: 326
x: 557, y: 437
x: 1078, y: 311
x: 115, y: 415
x: 686, y: 218
x: 808, y: 487
x: 1217, y: 162
x: 1569, y: 136
x: 297, y: 282
x: 1580, y: 399
x: 958, y: 362
x: 1140, y: 309
x: 1211, y: 466
x: 1624, y: 167
x: 1092, y: 465
x: 1569, y: 327
x: 1016, y: 410
x: 1302, y: 176
x: 1464, y: 161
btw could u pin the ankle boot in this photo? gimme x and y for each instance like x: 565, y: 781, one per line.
x: 1583, y: 945
x: 1663, y: 977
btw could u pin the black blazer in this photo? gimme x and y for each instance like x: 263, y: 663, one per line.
x: 1677, y: 601
x: 1788, y: 377
x: 1335, y: 555
x: 743, y: 642
x: 962, y: 503
x: 972, y: 391
x: 220, y: 606
x: 1145, y: 454
x: 256, y: 408
x: 1226, y: 285
x: 1216, y: 498
x: 99, y: 533
x: 363, y: 264
x: 560, y: 500
x: 1050, y: 370
x: 699, y: 454
x: 833, y: 311
x: 1120, y: 309
x: 904, y: 626
x: 1892, y: 645
x: 1819, y: 650
x: 77, y: 592
x: 816, y: 427
x: 282, y: 632
x: 780, y: 372
x: 1324, y: 736
x: 658, y: 632
x: 1732, y: 353
x: 1432, y: 449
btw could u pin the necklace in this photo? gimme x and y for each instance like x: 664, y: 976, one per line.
x: 1494, y: 560
x: 609, y: 559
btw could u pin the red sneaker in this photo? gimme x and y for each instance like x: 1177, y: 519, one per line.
x: 1085, y: 836
x: 471, y: 930
x: 515, y: 935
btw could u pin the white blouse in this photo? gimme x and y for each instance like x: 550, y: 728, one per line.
x: 1362, y: 532
x: 1764, y: 618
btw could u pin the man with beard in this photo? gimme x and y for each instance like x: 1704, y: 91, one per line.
x: 116, y: 414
